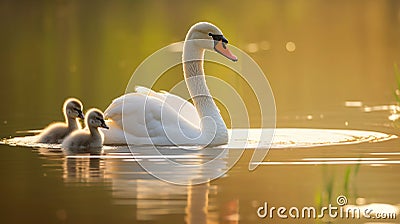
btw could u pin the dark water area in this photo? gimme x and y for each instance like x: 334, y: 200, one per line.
x: 330, y: 66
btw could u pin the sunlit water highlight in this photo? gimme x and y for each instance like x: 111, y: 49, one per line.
x: 250, y: 139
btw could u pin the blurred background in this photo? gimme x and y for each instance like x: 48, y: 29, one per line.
x: 315, y: 54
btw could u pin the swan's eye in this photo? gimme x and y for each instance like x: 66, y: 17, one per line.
x: 218, y: 37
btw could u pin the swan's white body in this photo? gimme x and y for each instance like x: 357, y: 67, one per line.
x: 142, y: 120
x: 147, y: 117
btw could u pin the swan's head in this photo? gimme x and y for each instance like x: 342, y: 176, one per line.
x: 95, y: 119
x: 73, y: 108
x: 217, y: 41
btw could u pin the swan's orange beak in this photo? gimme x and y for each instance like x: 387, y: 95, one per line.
x: 221, y: 48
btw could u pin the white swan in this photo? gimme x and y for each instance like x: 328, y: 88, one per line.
x: 85, y: 139
x: 166, y: 119
x: 56, y: 132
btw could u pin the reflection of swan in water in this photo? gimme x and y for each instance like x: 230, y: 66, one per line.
x: 132, y: 185
x: 55, y: 133
x: 153, y: 198
x: 147, y: 120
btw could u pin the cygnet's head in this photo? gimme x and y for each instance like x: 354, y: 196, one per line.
x: 207, y: 36
x: 73, y: 108
x: 95, y: 118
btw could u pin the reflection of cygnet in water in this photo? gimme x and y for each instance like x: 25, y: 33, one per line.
x: 85, y: 139
x: 55, y: 133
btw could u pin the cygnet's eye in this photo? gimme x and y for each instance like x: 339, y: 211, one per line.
x: 100, y: 119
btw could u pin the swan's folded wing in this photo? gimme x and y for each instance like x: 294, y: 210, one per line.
x: 183, y: 107
x: 180, y: 105
x: 140, y: 117
x: 114, y: 110
x: 134, y: 109
x: 145, y: 91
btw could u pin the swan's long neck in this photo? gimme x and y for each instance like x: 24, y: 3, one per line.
x: 214, y: 129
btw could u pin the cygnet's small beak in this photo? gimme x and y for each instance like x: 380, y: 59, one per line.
x: 103, y: 125
x: 80, y: 115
